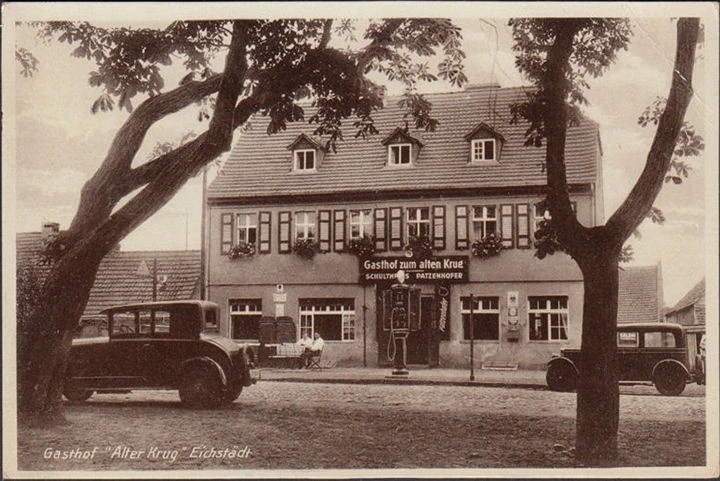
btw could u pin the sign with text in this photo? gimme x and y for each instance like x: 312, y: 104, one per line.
x: 433, y: 270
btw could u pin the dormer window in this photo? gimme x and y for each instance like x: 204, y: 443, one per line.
x: 485, y: 144
x: 399, y: 154
x: 403, y: 148
x: 305, y: 159
x: 307, y: 154
x: 483, y: 149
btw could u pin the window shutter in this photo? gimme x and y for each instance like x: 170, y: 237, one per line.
x: 226, y: 232
x: 380, y: 228
x: 396, y: 241
x: 522, y: 222
x: 284, y: 245
x: 506, y: 225
x: 461, y: 227
x: 264, y: 235
x: 439, y: 227
x: 324, y: 230
x: 339, y: 231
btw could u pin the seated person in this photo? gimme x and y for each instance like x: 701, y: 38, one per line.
x: 304, y: 344
x: 314, y: 350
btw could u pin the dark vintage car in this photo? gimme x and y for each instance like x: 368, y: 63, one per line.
x: 161, y: 345
x: 661, y: 353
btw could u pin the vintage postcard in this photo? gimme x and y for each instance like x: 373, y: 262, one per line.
x: 360, y: 240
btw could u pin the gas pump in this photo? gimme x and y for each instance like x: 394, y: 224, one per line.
x: 402, y: 319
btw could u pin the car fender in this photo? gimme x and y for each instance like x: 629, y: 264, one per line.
x: 670, y: 361
x: 562, y: 360
x: 206, y: 362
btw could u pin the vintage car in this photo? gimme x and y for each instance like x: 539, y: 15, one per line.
x: 161, y: 345
x: 661, y: 353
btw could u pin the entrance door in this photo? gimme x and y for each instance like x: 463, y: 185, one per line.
x: 417, y: 342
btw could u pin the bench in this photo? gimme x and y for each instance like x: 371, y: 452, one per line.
x: 286, y: 355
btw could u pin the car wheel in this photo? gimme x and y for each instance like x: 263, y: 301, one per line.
x: 561, y: 376
x: 201, y: 388
x: 232, y: 395
x: 77, y: 395
x: 669, y: 379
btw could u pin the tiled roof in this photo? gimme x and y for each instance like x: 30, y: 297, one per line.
x: 638, y: 294
x: 260, y: 164
x: 695, y: 296
x: 117, y: 281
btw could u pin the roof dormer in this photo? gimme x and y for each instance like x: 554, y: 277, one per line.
x: 485, y: 144
x: 403, y: 148
x: 307, y: 154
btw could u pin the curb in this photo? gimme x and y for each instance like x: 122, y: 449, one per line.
x: 410, y: 382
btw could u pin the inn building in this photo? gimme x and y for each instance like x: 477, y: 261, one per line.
x: 404, y: 199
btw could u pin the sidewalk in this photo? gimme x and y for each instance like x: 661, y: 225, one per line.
x: 418, y: 375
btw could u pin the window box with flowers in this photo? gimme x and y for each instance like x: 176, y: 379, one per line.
x: 363, y: 247
x: 306, y: 248
x: 242, y: 250
x: 420, y: 246
x: 488, y: 246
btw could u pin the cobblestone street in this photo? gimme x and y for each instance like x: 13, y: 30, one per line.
x: 288, y: 425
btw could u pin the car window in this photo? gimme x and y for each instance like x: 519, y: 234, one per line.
x: 211, y: 320
x: 145, y: 322
x: 659, y: 339
x: 627, y: 339
x: 162, y: 324
x: 124, y: 323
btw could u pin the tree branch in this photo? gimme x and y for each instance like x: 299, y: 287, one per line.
x: 639, y: 202
x: 327, y: 34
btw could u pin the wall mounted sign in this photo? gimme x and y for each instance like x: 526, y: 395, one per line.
x: 433, y: 270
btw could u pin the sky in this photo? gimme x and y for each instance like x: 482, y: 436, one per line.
x: 59, y: 143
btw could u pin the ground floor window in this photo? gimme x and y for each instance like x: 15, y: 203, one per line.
x: 333, y: 319
x: 485, y: 318
x: 548, y: 318
x: 244, y: 317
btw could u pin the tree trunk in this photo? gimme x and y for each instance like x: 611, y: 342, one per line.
x: 598, y: 396
x: 44, y: 344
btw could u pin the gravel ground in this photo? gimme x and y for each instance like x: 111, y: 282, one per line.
x: 287, y: 425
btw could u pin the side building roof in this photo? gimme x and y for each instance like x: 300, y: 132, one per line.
x: 117, y: 280
x: 639, y: 294
x: 696, y: 297
x: 260, y: 165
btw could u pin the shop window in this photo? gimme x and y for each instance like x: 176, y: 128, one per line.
x: 244, y: 317
x: 333, y: 319
x: 485, y: 318
x: 548, y: 318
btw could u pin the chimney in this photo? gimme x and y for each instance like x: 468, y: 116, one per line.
x: 48, y: 229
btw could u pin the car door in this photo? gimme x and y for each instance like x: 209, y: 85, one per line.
x: 628, y: 351
x: 126, y: 336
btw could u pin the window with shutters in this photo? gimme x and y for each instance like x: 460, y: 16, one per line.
x: 247, y: 228
x: 484, y: 221
x: 506, y: 225
x: 381, y: 229
x: 264, y: 241
x: 461, y: 227
x: 396, y: 233
x: 284, y: 242
x: 438, y: 234
x: 418, y: 222
x: 541, y: 212
x: 339, y: 230
x: 324, y: 231
x: 305, y: 225
x: 361, y: 223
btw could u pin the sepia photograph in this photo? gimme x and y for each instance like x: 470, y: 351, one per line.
x: 360, y: 240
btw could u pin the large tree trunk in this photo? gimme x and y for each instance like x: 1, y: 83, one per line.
x: 598, y: 397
